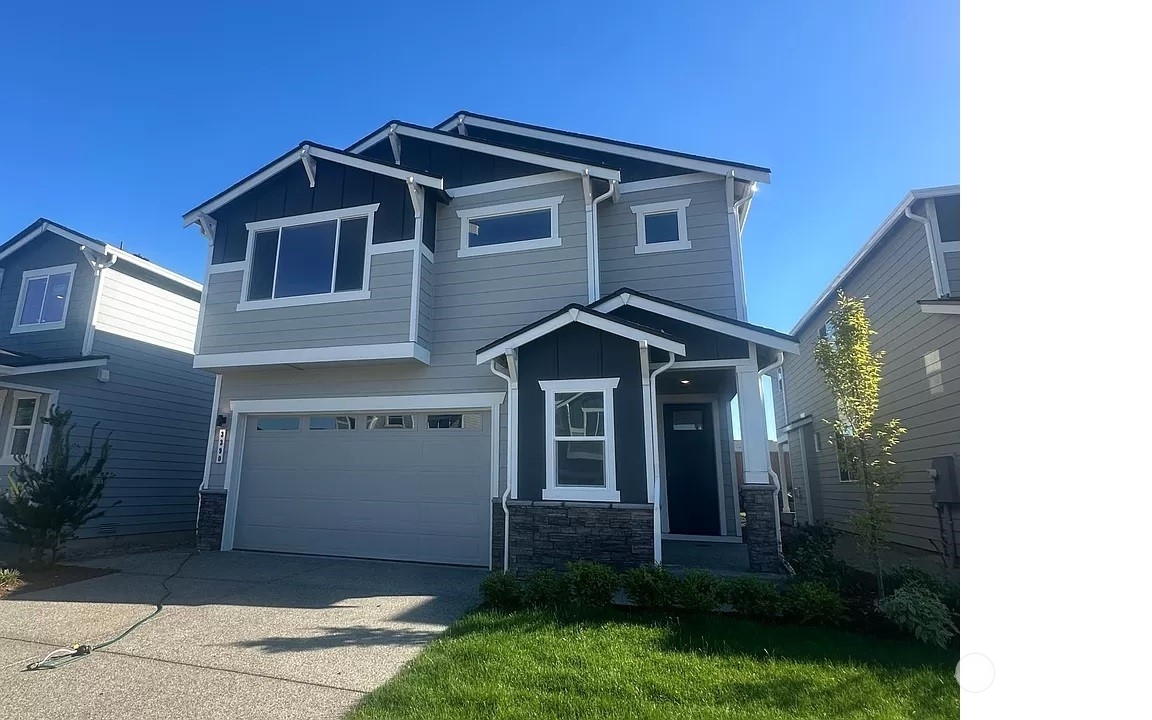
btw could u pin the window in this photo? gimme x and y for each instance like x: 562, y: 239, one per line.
x: 528, y: 225
x: 25, y: 409
x: 277, y: 423
x: 320, y: 257
x: 687, y: 420
x: 581, y: 445
x: 43, y: 303
x: 389, y: 422
x: 331, y: 422
x: 458, y: 421
x: 662, y: 226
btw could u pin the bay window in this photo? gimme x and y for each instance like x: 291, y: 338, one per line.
x: 581, y: 446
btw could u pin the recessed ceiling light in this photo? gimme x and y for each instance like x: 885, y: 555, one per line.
x: 685, y: 381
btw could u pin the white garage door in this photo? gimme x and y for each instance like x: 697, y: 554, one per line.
x: 411, y: 486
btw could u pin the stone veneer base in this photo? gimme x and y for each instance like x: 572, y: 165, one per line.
x: 549, y: 534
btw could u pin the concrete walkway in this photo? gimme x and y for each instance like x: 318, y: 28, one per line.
x: 243, y: 635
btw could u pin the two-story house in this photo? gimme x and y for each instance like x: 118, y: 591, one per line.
x: 909, y: 271
x: 108, y: 335
x: 484, y: 343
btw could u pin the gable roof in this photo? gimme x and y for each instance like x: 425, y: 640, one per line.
x: 873, y: 242
x: 490, y: 147
x: 586, y: 316
x: 743, y: 171
x: 710, y: 321
x: 18, y: 363
x: 42, y: 225
x: 295, y: 155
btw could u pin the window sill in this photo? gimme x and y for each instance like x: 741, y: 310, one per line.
x: 40, y: 327
x: 304, y: 300
x: 585, y: 494
x: 664, y: 247
x: 509, y: 247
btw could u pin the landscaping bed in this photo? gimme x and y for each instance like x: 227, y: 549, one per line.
x: 30, y: 580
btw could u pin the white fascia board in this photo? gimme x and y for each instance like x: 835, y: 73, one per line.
x: 382, y: 403
x: 465, y: 143
x: 52, y: 367
x: 345, y: 353
x: 584, y: 318
x: 667, y: 182
x: 873, y: 241
x: 708, y: 323
x: 941, y: 309
x: 715, y: 168
x: 511, y: 183
x: 44, y: 227
x: 376, y: 167
x: 209, y: 207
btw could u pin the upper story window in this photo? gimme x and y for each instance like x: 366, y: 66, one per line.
x: 662, y: 226
x: 581, y: 442
x: 527, y: 225
x: 306, y: 259
x: 43, y: 303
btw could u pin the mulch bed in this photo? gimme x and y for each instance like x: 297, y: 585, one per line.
x: 42, y: 579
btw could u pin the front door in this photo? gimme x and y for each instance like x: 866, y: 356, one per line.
x: 690, y: 456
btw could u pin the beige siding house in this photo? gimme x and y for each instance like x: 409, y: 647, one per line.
x: 909, y: 271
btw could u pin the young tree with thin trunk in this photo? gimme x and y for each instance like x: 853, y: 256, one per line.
x: 863, y: 445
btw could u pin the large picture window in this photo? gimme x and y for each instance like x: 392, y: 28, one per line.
x: 528, y: 225
x: 43, y: 303
x: 320, y: 257
x: 581, y: 443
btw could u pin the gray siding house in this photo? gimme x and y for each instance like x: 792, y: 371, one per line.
x: 484, y: 343
x: 108, y: 335
x: 910, y: 272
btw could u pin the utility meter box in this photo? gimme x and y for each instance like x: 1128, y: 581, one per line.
x: 946, y: 477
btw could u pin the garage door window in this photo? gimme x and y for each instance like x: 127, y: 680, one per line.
x: 331, y: 422
x: 456, y: 421
x: 277, y: 424
x: 389, y: 422
x: 581, y: 446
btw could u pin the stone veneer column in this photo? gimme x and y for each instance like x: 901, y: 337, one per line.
x: 210, y: 518
x: 760, y: 529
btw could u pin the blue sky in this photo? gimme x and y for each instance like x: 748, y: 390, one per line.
x: 119, y: 117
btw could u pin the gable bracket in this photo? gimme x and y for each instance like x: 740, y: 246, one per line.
x: 586, y: 180
x: 207, y: 225
x: 394, y: 141
x: 309, y: 164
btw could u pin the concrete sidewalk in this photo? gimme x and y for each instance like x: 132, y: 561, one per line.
x: 243, y: 635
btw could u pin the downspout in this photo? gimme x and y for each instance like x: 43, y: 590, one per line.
x: 778, y: 363
x: 510, y: 463
x: 591, y: 217
x: 931, y: 247
x: 735, y: 231
x: 657, y: 504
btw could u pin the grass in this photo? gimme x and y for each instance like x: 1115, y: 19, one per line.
x: 618, y: 664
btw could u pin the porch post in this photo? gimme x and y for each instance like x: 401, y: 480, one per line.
x: 762, y: 517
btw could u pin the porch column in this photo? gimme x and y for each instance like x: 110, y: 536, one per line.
x: 758, y: 496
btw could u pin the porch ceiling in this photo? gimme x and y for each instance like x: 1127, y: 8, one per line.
x: 719, y: 381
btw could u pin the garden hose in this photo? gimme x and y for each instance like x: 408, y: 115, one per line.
x: 63, y: 656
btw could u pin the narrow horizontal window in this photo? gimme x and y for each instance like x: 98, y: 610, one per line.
x: 389, y: 422
x: 526, y: 225
x: 532, y: 225
x: 277, y: 423
x: 331, y: 422
x: 456, y: 421
x: 687, y: 420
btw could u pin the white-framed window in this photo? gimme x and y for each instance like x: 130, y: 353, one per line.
x: 21, y: 425
x: 662, y: 226
x: 44, y: 295
x: 456, y: 421
x: 278, y: 423
x: 308, y: 259
x: 526, y: 225
x: 581, y: 443
x: 332, y: 422
x: 389, y: 422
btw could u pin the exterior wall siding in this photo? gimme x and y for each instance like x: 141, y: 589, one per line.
x: 921, y: 384
x: 138, y: 310
x: 47, y: 250
x: 700, y: 276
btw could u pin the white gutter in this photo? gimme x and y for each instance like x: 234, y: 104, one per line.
x: 657, y: 540
x: 512, y: 430
x: 940, y: 290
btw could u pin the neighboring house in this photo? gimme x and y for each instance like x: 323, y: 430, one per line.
x: 439, y: 338
x: 108, y: 335
x: 909, y: 271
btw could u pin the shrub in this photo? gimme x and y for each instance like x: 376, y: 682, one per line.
x: 547, y: 589
x: 502, y: 590
x: 699, y: 591
x: 593, y: 585
x: 754, y: 597
x: 652, y: 586
x: 918, y: 610
x: 945, y: 590
x: 808, y: 602
x: 9, y: 579
x: 811, y: 550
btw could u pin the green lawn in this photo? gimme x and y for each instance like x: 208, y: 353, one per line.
x: 622, y: 665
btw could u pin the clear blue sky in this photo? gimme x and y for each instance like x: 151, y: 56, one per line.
x: 118, y: 117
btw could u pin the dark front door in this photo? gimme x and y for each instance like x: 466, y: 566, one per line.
x: 690, y: 454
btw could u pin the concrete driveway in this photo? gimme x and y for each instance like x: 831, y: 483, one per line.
x: 243, y: 635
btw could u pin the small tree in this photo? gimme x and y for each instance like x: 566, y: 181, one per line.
x: 42, y: 508
x: 863, y: 446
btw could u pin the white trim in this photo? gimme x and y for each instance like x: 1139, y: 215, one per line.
x: 552, y: 204
x: 17, y: 396
x: 34, y: 274
x: 667, y: 182
x: 52, y: 367
x: 660, y: 208
x: 708, y: 323
x: 375, y: 167
x: 552, y: 491
x: 585, y: 318
x: 93, y: 309
x: 936, y: 247
x: 340, y: 353
x: 941, y: 309
x: 369, y: 403
x: 753, y: 427
x: 695, y: 399
x: 211, y: 444
x: 427, y: 252
x: 417, y: 194
x: 511, y: 183
x: 889, y: 222
x: 299, y: 300
x: 237, y: 266
x: 494, y: 458
x: 949, y: 247
x: 392, y: 247
x: 316, y: 217
x: 736, y: 247
x: 465, y: 143
x: 207, y: 208
x: 716, y: 167
x: 649, y: 425
x: 48, y: 226
x: 702, y: 364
